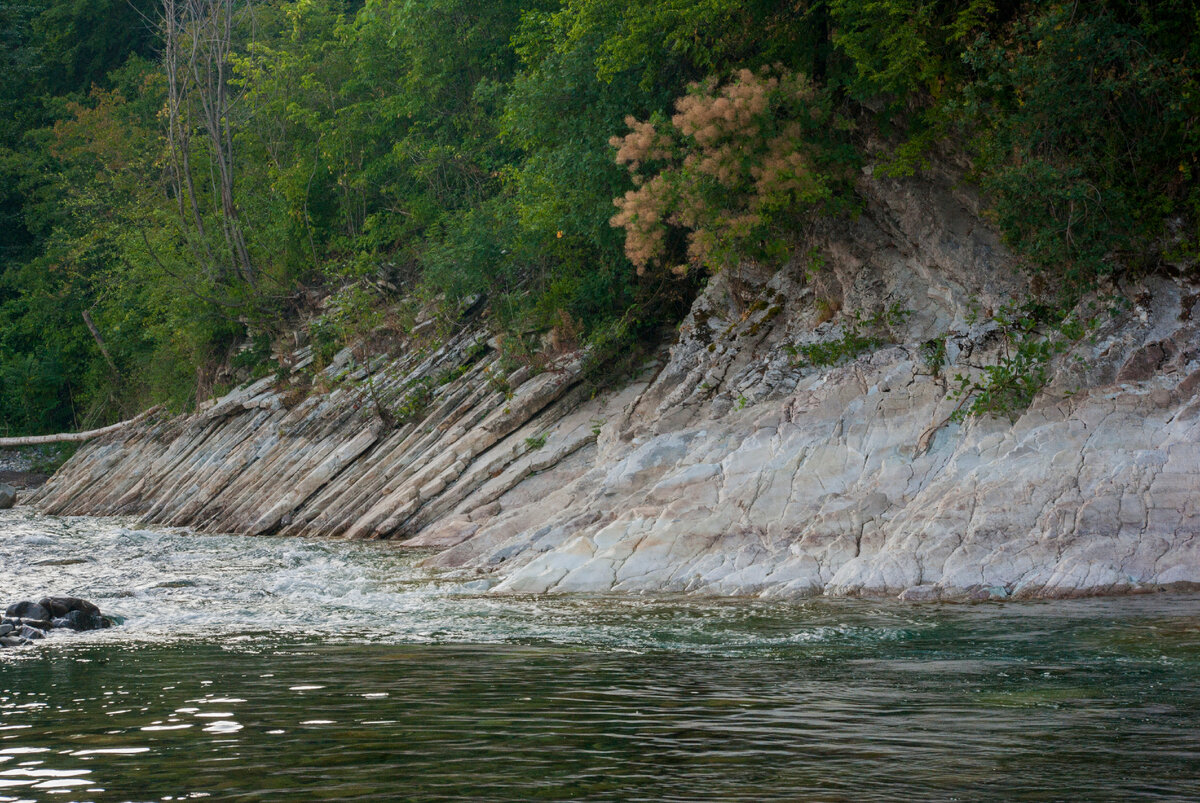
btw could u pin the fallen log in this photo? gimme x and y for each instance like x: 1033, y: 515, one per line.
x: 75, y: 437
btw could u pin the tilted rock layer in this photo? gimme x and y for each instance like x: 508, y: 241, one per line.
x: 731, y: 466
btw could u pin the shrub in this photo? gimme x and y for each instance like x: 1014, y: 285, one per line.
x: 1085, y: 130
x: 734, y: 171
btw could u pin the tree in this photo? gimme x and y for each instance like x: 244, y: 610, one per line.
x: 198, y: 45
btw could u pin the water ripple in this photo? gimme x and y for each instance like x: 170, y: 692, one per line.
x: 270, y: 669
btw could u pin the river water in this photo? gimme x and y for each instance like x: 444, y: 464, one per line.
x: 272, y: 669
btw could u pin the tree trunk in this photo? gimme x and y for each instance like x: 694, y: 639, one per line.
x: 91, y: 325
x: 198, y: 38
x: 68, y: 437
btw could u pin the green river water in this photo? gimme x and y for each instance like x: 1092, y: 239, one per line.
x: 271, y: 669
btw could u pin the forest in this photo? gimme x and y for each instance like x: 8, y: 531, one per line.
x: 186, y: 185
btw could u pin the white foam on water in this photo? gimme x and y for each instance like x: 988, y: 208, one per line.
x: 173, y: 584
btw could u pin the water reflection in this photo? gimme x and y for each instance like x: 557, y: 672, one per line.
x: 1102, y: 703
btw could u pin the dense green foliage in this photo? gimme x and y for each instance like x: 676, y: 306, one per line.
x: 190, y: 202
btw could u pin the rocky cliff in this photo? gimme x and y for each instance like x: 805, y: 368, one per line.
x: 737, y: 463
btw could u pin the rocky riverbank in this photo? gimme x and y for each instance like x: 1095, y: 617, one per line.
x: 20, y: 472
x: 737, y: 462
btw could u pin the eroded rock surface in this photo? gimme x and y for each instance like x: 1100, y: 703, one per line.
x: 731, y: 466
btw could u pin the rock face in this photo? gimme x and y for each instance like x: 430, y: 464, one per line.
x: 25, y: 622
x: 733, y: 464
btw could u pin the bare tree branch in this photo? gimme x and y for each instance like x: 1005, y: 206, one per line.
x: 87, y: 319
x: 198, y: 37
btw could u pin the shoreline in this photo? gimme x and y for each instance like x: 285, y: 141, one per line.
x: 484, y: 583
x: 730, y: 464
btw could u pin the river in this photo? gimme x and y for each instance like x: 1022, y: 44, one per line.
x: 273, y: 669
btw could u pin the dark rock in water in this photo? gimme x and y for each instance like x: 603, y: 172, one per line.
x: 176, y: 584
x: 61, y: 606
x: 8, y: 496
x: 82, y: 620
x: 60, y: 561
x: 27, y: 621
x: 26, y: 610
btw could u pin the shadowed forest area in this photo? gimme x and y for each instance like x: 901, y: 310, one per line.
x: 190, y: 189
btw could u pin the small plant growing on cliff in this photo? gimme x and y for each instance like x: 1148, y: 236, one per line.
x: 814, y: 262
x: 326, y: 341
x: 1032, y: 335
x: 469, y: 358
x: 933, y: 354
x: 860, y: 335
x: 413, y: 402
x: 254, y: 359
x: 826, y: 309
x: 851, y: 344
x: 536, y: 442
x: 498, y: 382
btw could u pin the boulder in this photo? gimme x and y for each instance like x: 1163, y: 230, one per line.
x: 27, y: 621
x: 26, y: 610
x: 61, y: 606
x: 8, y: 496
x: 82, y: 620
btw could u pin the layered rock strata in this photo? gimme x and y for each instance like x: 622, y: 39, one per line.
x: 733, y: 464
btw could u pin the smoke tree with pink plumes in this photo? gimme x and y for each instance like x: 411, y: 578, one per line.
x: 734, y: 173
